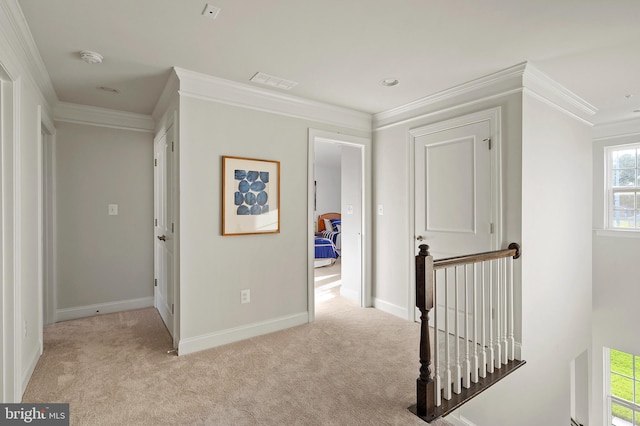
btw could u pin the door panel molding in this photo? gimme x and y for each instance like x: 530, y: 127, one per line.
x: 493, y: 117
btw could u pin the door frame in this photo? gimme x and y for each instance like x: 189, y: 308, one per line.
x: 10, y: 237
x: 171, y: 125
x: 493, y: 115
x: 47, y: 220
x: 366, y: 241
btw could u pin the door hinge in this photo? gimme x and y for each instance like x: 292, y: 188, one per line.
x: 155, y: 282
x: 171, y: 146
x: 172, y: 228
x: 155, y: 222
x: 172, y: 310
x: 155, y: 162
x: 491, y: 228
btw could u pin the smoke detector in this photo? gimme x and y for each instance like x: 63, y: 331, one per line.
x: 211, y: 11
x: 91, y: 57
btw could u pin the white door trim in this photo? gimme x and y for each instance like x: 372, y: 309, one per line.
x: 365, y: 144
x: 47, y: 219
x: 10, y: 328
x: 493, y: 115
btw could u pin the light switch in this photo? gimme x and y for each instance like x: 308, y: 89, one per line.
x: 380, y: 210
x: 349, y: 208
x: 113, y: 209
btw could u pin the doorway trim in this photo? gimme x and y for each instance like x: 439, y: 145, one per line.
x: 493, y: 115
x: 10, y: 236
x: 366, y: 243
x: 47, y: 220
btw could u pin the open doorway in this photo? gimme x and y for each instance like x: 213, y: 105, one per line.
x: 338, y: 189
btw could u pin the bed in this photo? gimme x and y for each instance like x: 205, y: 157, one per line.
x: 326, y: 249
x: 330, y: 226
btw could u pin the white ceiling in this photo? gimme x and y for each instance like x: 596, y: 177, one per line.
x: 339, y: 50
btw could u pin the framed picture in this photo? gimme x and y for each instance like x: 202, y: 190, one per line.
x: 250, y: 196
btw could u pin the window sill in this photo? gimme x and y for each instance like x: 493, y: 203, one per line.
x: 617, y: 233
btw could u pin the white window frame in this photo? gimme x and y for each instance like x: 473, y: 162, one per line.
x: 609, y: 399
x: 609, y: 189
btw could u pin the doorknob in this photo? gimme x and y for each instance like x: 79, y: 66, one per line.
x: 419, y: 238
x: 162, y: 238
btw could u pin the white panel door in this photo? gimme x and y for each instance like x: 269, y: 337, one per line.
x: 453, y: 203
x: 164, y: 228
x: 453, y: 190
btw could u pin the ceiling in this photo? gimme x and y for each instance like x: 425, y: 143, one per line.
x: 338, y: 51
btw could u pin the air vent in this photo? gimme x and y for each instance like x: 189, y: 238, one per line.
x: 269, y: 80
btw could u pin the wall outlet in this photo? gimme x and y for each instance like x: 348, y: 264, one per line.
x: 380, y: 210
x: 245, y: 296
x: 113, y: 209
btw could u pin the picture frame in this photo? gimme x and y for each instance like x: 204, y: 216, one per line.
x: 250, y: 196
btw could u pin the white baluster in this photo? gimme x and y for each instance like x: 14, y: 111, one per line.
x: 457, y: 369
x: 476, y: 367
x: 467, y: 358
x: 510, y: 338
x: 490, y: 314
x: 505, y: 313
x: 483, y: 320
x: 436, y: 344
x: 497, y: 283
x: 447, y: 354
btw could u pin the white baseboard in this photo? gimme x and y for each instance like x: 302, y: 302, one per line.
x: 350, y: 294
x: 219, y: 338
x: 390, y: 308
x: 457, y: 419
x: 28, y: 372
x: 103, y: 308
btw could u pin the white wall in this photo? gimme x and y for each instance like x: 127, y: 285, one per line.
x: 615, y: 277
x: 556, y: 271
x: 327, y: 188
x: 214, y: 269
x: 102, y: 258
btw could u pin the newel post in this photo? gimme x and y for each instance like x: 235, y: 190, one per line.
x: 424, y: 302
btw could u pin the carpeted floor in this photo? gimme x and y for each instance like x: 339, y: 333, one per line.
x: 351, y: 366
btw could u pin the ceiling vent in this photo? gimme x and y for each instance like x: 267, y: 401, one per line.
x: 277, y: 82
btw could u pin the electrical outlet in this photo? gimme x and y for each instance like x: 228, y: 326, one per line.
x: 245, y: 296
x: 113, y: 209
x: 380, y: 210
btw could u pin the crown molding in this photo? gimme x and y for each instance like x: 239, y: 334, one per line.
x: 202, y: 86
x: 616, y: 129
x: 20, y: 39
x: 523, y: 77
x: 103, y: 117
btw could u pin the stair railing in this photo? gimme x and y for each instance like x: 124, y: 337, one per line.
x: 473, y: 297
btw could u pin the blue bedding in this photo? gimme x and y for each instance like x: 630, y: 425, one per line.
x: 325, y: 249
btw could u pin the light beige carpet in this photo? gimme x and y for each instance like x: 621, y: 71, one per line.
x: 351, y: 366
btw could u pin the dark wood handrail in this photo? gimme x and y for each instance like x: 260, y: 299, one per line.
x: 512, y: 251
x: 425, y: 266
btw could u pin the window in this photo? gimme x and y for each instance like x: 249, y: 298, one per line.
x: 623, y: 186
x: 623, y: 389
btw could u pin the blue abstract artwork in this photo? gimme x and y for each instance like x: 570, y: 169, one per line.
x: 252, y: 195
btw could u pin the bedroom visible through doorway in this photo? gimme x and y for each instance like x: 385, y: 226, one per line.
x: 337, y: 219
